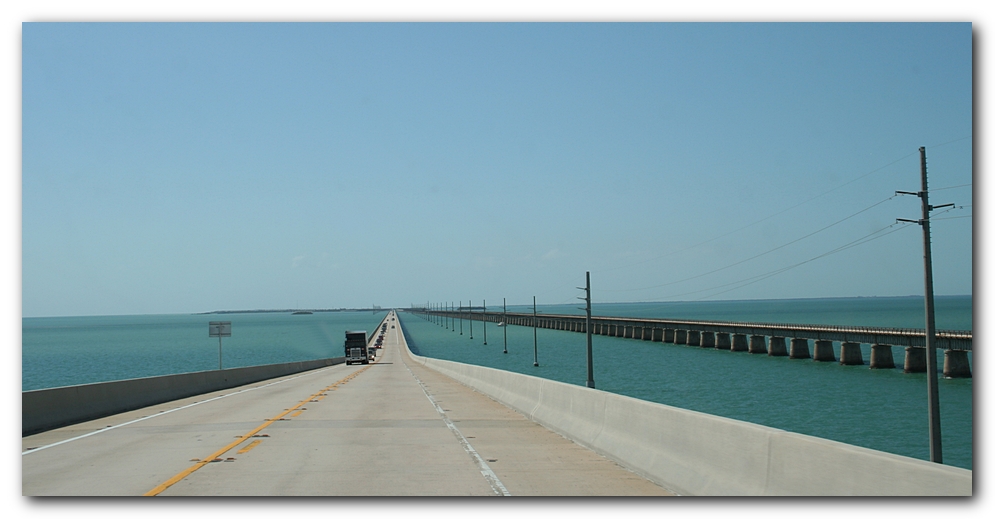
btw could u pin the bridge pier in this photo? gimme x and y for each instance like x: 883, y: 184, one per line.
x: 694, y: 338
x: 657, y: 335
x: 668, y: 335
x: 707, y: 339
x: 915, y: 359
x: 758, y: 344
x: 777, y: 347
x: 722, y: 341
x: 680, y: 336
x: 824, y: 351
x: 955, y: 364
x: 882, y: 357
x: 738, y: 342
x: 627, y: 331
x: 850, y: 354
x: 799, y: 349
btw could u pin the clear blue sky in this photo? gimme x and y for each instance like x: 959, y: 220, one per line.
x: 170, y: 168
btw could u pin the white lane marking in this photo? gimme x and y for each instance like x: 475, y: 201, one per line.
x: 485, y: 469
x: 161, y: 413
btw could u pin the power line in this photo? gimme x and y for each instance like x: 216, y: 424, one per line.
x: 760, y: 277
x: 952, y: 187
x: 765, y: 218
x: 842, y: 248
x: 758, y: 255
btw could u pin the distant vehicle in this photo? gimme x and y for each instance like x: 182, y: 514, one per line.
x: 355, y: 348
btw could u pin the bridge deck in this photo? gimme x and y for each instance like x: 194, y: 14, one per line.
x: 393, y: 427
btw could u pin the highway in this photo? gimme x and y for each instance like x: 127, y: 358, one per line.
x: 393, y: 427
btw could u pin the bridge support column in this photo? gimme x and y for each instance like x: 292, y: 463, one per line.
x: 637, y: 332
x: 722, y: 341
x: 915, y: 359
x: 694, y: 338
x: 955, y: 364
x: 669, y: 335
x: 626, y: 331
x: 707, y: 339
x: 882, y: 357
x: 799, y: 349
x: 738, y: 342
x: 758, y: 344
x: 648, y: 333
x: 680, y: 336
x: 850, y: 354
x: 824, y: 351
x: 657, y: 335
x: 777, y: 347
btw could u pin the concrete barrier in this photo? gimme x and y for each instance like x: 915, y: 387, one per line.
x: 694, y: 453
x: 46, y: 409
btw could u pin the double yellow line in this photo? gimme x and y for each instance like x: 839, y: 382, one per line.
x: 177, y: 478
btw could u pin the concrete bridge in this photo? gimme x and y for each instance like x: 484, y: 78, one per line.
x: 789, y: 340
x: 410, y: 425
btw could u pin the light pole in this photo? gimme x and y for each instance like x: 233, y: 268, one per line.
x: 485, y: 322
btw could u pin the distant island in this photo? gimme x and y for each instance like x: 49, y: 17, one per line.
x: 292, y: 310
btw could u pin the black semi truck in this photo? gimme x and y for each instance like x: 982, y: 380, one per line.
x: 355, y: 348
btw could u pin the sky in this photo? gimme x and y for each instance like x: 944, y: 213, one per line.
x: 191, y: 167
x: 188, y: 168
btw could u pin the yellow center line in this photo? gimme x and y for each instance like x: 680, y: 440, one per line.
x: 249, y: 447
x: 177, y: 478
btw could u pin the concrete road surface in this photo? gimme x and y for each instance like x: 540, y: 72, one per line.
x: 392, y: 427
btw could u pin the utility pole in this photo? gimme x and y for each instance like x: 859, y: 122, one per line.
x: 932, y: 384
x: 587, y: 328
x: 505, y: 302
x: 535, y: 339
x: 471, y: 319
x: 485, y: 322
x: 460, y: 310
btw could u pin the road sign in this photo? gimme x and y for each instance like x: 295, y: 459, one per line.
x: 219, y: 329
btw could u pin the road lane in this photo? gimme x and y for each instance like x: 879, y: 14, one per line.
x: 392, y: 427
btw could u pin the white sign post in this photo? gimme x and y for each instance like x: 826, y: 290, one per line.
x: 219, y: 329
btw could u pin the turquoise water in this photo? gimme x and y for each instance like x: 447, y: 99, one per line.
x: 65, y: 351
x: 878, y: 409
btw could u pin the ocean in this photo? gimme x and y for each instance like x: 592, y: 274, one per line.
x: 879, y: 409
